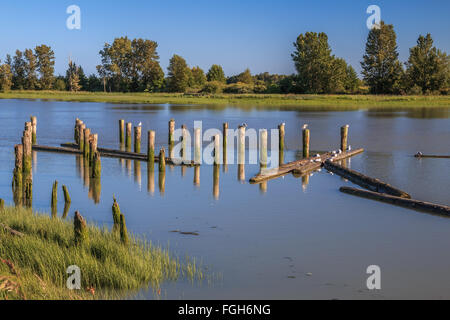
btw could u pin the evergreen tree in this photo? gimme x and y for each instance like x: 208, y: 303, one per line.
x: 19, y: 71
x: 72, y: 77
x: 45, y: 65
x: 382, y: 70
x: 31, y: 80
x: 427, y: 67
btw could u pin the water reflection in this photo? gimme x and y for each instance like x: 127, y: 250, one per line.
x: 197, y: 176
x: 151, y: 179
x: 216, y: 180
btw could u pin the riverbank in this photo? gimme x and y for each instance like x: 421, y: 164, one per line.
x: 328, y: 102
x: 33, y: 266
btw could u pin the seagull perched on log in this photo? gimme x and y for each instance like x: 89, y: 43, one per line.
x: 140, y: 124
x: 349, y: 148
x: 305, y: 126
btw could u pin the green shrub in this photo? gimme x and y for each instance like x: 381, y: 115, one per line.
x: 213, y: 87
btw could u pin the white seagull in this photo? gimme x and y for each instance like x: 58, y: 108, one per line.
x: 305, y: 126
x: 140, y: 124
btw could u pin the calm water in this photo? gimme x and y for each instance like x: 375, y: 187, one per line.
x: 298, y: 238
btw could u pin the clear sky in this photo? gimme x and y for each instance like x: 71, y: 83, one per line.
x: 237, y: 34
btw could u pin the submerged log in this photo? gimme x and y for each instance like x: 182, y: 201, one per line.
x: 365, y: 181
x: 398, y: 201
x: 420, y: 155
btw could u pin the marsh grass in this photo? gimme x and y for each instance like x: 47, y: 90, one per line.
x: 328, y: 102
x: 43, y: 255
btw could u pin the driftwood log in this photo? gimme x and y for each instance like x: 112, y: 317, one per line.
x: 11, y: 231
x: 366, y: 182
x: 398, y: 201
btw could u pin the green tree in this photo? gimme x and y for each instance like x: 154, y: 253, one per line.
x: 6, y: 77
x: 314, y: 62
x: 179, y: 74
x: 245, y: 77
x: 31, y: 80
x: 84, y: 81
x: 45, y: 65
x: 60, y: 84
x: 198, y: 78
x: 351, y: 80
x: 19, y: 71
x: 382, y: 70
x: 72, y: 77
x: 94, y: 84
x: 216, y: 73
x: 427, y: 67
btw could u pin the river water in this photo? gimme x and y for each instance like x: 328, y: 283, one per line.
x: 293, y: 238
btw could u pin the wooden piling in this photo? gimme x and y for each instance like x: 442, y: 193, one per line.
x: 137, y: 139
x: 344, y: 138
x: 121, y: 131
x: 116, y: 216
x: 184, y: 143
x: 93, y: 146
x: 81, y: 137
x: 128, y: 136
x: 66, y: 195
x: 217, y: 149
x: 27, y: 148
x: 87, y: 135
x: 76, y: 131
x: 241, y: 145
x: 151, y: 149
x: 33, y: 129
x: 403, y: 202
x: 54, y: 202
x: 225, y: 142
x: 18, y: 167
x: 162, y: 160
x: 171, y: 136
x: 263, y: 148
x: 281, y: 137
x: 123, y: 230
x: 306, y: 139
x: 197, y: 146
x: 80, y: 229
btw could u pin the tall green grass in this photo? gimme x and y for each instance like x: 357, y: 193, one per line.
x: 113, y: 269
x: 333, y: 102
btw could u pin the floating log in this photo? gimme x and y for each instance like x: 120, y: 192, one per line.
x: 420, y: 155
x: 315, y: 165
x: 366, y: 182
x: 300, y: 166
x: 398, y: 201
x: 72, y: 148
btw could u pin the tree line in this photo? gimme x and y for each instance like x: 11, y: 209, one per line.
x: 133, y: 66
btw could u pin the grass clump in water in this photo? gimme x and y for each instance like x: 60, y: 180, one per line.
x: 34, y: 266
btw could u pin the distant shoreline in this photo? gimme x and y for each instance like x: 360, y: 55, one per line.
x: 328, y: 102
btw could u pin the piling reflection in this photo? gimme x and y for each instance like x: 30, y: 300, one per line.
x: 216, y: 180
x: 305, y: 182
x: 137, y: 173
x: 183, y: 171
x: 241, y: 173
x: 162, y: 182
x: 150, y: 179
x: 197, y: 176
x: 95, y: 189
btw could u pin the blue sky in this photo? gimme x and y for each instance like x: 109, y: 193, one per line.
x: 236, y: 34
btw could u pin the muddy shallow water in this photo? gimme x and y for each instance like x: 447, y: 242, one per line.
x: 294, y: 239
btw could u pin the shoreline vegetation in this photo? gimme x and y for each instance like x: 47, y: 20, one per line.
x: 302, y: 101
x: 34, y: 261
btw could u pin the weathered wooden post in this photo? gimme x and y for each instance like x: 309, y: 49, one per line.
x: 27, y: 165
x: 217, y: 149
x: 76, y: 131
x: 197, y: 146
x: 137, y: 139
x: 263, y: 148
x: 344, y: 138
x: 162, y: 160
x: 171, y: 137
x: 128, y: 137
x: 93, y: 146
x: 121, y: 131
x: 87, y: 135
x: 306, y: 139
x: 281, y: 136
x: 81, y: 136
x: 80, y: 229
x: 151, y: 150
x: 241, y: 143
x: 66, y: 195
x: 116, y: 216
x: 55, y: 199
x: 183, y: 142
x: 33, y: 130
x: 96, y: 166
x: 225, y: 140
x: 17, y: 183
x: 123, y: 230
x: 2, y: 204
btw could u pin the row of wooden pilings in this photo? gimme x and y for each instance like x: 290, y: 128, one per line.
x: 88, y: 145
x: 125, y: 139
x: 22, y: 182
